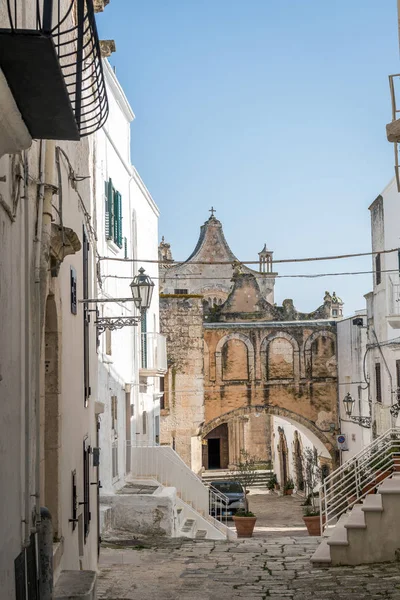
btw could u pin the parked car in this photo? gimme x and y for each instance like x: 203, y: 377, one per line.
x: 228, y: 498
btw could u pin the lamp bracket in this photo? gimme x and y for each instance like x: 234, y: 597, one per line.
x: 363, y: 421
x: 113, y: 323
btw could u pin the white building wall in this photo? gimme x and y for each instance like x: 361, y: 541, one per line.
x: 352, y: 354
x: 23, y: 366
x: 383, y: 308
x: 119, y: 351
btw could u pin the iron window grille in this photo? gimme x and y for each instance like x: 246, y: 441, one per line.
x: 58, y: 42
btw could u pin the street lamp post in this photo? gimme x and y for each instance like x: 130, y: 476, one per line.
x: 142, y: 288
x: 349, y: 402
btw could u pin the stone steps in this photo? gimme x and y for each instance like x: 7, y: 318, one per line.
x: 75, y: 585
x: 368, y: 533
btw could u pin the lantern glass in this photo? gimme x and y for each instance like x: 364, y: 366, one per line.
x: 142, y: 290
x: 348, y: 402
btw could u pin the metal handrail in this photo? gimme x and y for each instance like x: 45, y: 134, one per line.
x: 359, y: 476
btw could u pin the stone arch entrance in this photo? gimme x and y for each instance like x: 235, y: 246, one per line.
x: 216, y: 448
x: 323, y: 441
x: 52, y: 425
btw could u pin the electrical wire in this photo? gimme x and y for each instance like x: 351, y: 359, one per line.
x: 247, y: 262
x: 303, y: 275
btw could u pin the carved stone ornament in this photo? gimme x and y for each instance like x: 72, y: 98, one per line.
x: 64, y: 241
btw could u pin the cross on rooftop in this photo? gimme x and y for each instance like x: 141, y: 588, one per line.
x: 212, y: 211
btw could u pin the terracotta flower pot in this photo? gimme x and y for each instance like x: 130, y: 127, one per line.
x: 369, y: 488
x: 313, y: 525
x: 288, y: 492
x: 381, y: 476
x: 244, y: 526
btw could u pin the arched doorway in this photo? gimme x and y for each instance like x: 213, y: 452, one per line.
x: 298, y: 462
x: 283, y: 458
x: 216, y: 448
x: 52, y: 425
x: 323, y: 441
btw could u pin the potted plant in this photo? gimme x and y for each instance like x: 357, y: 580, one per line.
x: 245, y: 521
x: 272, y: 482
x: 246, y: 474
x: 312, y: 478
x: 289, y: 487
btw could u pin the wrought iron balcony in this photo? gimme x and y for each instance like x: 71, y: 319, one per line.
x: 50, y: 57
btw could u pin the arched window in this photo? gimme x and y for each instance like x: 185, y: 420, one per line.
x: 235, y: 361
x: 280, y: 359
x: 323, y: 357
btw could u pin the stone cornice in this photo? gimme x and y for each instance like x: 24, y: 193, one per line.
x: 271, y: 324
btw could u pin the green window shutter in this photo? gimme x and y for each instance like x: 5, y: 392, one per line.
x: 125, y: 248
x: 109, y: 210
x: 119, y: 199
x: 116, y: 218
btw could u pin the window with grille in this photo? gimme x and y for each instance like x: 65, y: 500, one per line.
x: 378, y: 382
x: 378, y: 272
x: 144, y: 422
x: 114, y: 453
x: 162, y: 391
x: 180, y: 291
x: 86, y: 320
x: 113, y: 214
x: 114, y: 412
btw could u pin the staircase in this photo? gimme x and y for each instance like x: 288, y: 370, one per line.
x: 261, y: 477
x: 163, y: 464
x: 360, y: 505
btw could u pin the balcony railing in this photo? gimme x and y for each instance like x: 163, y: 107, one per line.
x: 153, y: 355
x: 50, y: 57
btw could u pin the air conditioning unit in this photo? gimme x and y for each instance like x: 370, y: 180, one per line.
x: 341, y: 441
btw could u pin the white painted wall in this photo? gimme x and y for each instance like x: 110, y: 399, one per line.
x: 352, y: 350
x: 382, y: 302
x: 119, y: 352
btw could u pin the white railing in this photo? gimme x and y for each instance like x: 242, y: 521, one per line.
x: 164, y: 465
x: 153, y: 352
x: 359, y: 476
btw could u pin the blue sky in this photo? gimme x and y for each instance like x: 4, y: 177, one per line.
x: 272, y: 111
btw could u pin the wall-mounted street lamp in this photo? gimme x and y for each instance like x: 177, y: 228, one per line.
x: 349, y: 402
x: 142, y: 288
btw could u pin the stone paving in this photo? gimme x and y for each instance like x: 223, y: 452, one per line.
x: 273, y: 568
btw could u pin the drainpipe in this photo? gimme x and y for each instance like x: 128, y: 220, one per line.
x: 38, y: 249
x: 43, y: 239
x: 28, y: 372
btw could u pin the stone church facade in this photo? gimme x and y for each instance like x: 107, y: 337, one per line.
x: 238, y: 362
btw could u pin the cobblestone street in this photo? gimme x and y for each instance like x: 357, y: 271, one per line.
x: 272, y: 568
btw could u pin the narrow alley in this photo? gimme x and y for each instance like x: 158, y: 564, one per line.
x: 273, y: 568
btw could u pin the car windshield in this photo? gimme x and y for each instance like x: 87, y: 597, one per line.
x: 229, y: 487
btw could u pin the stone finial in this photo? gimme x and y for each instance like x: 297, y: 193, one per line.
x: 99, y: 5
x: 107, y: 47
x: 237, y: 268
x: 164, y: 251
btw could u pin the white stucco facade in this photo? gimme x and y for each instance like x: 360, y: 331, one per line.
x: 352, y: 354
x: 130, y: 404
x: 383, y: 310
